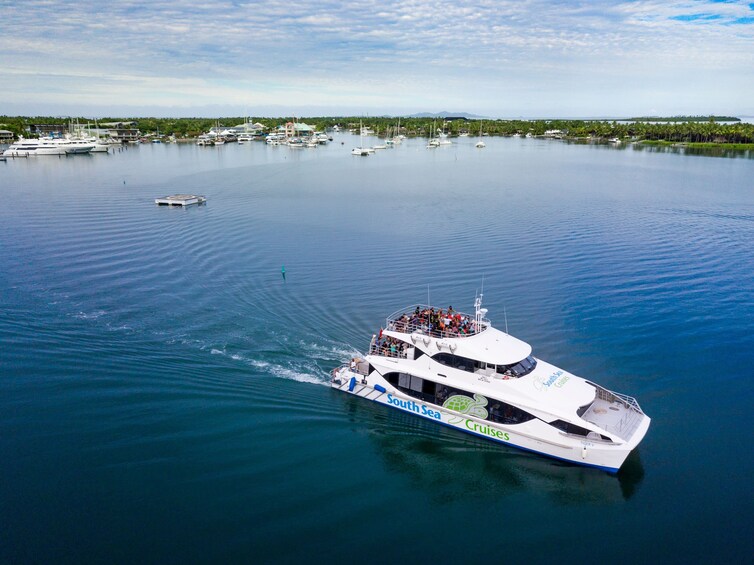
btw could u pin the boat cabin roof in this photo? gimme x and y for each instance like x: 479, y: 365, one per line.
x: 494, y: 348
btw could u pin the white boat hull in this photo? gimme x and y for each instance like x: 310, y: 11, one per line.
x: 79, y: 149
x: 32, y: 153
x: 535, y: 436
x: 61, y: 149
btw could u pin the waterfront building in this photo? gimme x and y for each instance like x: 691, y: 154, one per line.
x: 52, y: 130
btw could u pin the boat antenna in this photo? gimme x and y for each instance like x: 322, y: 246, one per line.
x: 478, y: 312
x: 428, y: 302
x: 505, y: 315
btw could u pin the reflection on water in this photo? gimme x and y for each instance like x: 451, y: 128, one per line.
x: 698, y: 151
x: 450, y: 465
x: 718, y: 151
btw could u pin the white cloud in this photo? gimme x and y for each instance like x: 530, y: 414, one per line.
x: 497, y: 57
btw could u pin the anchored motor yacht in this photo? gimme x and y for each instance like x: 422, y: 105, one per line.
x: 46, y: 146
x: 460, y: 371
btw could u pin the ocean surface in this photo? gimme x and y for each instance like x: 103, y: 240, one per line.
x: 164, y: 390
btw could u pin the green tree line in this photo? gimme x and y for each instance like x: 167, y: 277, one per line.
x: 696, y: 131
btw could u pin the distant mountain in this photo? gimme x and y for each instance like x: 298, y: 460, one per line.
x: 446, y: 114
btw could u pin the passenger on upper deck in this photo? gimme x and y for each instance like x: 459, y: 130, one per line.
x: 436, y: 323
x: 390, y: 347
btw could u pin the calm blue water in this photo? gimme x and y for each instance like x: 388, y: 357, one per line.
x: 163, y: 390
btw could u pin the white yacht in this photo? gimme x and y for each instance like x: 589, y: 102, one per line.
x: 98, y: 146
x: 82, y: 135
x: 46, y: 146
x: 459, y: 371
x: 205, y: 140
x: 295, y: 142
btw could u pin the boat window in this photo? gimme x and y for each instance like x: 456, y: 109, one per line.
x: 413, y: 386
x: 455, y: 361
x: 417, y: 353
x: 442, y: 394
x: 404, y: 380
x: 573, y: 429
x: 569, y: 428
x: 416, y: 384
x: 523, y: 367
x: 504, y: 413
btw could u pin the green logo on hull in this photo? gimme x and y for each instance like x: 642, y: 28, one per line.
x: 465, y: 405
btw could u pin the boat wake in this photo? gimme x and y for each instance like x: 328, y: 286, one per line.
x: 307, y: 370
x: 334, y: 353
x: 298, y: 360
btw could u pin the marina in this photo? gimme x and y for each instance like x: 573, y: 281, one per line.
x: 177, y: 383
x: 728, y: 138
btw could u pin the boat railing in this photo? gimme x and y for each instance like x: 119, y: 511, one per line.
x: 374, y: 350
x: 630, y: 419
x: 384, y: 350
x: 610, y: 396
x: 335, y: 373
x: 396, y: 322
x: 630, y: 402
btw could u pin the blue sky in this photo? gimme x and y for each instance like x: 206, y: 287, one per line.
x: 499, y: 58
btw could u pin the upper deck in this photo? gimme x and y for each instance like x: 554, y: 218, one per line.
x: 473, y: 338
x: 436, y: 322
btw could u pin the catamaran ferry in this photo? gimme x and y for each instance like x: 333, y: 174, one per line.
x: 459, y: 371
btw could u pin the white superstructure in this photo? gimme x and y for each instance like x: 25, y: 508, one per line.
x: 459, y: 371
